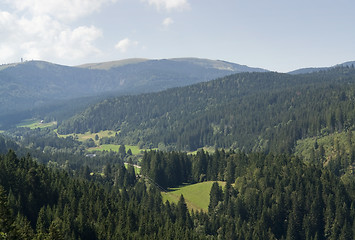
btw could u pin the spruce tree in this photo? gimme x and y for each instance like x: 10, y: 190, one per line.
x: 216, y: 195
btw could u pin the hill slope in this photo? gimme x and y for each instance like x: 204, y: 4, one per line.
x: 317, y: 69
x: 24, y: 86
x: 250, y: 111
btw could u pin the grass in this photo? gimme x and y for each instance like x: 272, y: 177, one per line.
x: 85, y: 136
x: 206, y: 149
x: 197, y: 196
x: 135, y: 149
x: 34, y: 123
x: 112, y: 147
x: 104, y: 147
x: 137, y: 170
x: 108, y: 65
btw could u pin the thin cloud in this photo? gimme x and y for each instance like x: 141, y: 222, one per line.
x: 167, y: 22
x: 169, y: 4
x: 65, y: 10
x: 124, y: 44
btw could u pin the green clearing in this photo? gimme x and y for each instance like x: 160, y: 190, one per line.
x: 34, y: 123
x: 206, y: 149
x: 104, y: 147
x: 135, y: 149
x: 197, y: 196
x: 85, y: 136
x: 112, y: 147
x: 137, y: 169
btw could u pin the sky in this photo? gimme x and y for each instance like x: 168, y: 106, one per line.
x: 278, y: 35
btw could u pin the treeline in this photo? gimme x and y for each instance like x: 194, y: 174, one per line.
x: 6, y: 144
x: 282, y: 198
x: 249, y: 111
x: 169, y: 169
x: 41, y: 138
x: 265, y: 197
x: 64, y: 153
x: 41, y: 203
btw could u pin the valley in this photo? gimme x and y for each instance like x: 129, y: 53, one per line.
x: 177, y: 120
x: 247, y: 155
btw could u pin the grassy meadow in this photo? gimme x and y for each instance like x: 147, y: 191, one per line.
x: 82, y: 137
x: 104, y: 147
x: 85, y: 136
x: 137, y: 169
x: 112, y: 147
x: 33, y: 124
x: 197, y: 196
x: 206, y: 149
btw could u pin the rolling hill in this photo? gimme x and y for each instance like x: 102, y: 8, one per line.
x: 27, y: 85
x: 250, y: 111
x: 317, y: 69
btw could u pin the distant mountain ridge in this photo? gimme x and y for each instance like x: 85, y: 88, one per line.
x: 112, y: 64
x: 30, y: 84
x: 205, y: 63
x: 317, y: 69
x: 34, y: 84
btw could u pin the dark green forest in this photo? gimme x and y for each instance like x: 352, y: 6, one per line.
x: 246, y: 111
x: 266, y: 197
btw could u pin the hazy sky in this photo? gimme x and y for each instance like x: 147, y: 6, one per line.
x: 279, y: 35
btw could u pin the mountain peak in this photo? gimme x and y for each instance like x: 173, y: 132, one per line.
x: 112, y: 64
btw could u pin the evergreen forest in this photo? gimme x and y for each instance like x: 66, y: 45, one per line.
x: 265, y: 197
x: 246, y: 111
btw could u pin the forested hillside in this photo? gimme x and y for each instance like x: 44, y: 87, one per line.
x: 37, y: 84
x: 40, y: 203
x: 265, y: 197
x: 249, y: 111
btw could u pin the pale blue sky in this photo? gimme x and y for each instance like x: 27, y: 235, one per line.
x: 278, y: 35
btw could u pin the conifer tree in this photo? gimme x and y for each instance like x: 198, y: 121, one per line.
x: 216, y: 195
x: 7, y: 226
